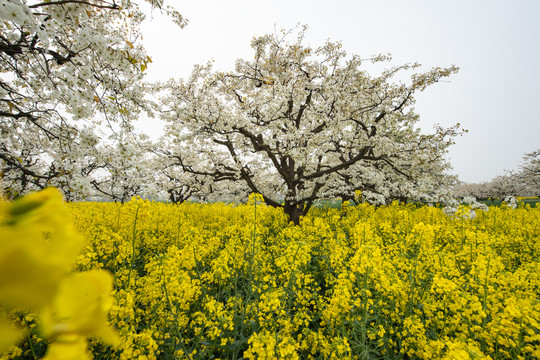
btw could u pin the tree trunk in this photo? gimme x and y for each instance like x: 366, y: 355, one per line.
x: 294, y: 212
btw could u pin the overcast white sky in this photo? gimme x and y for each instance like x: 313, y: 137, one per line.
x: 495, y: 43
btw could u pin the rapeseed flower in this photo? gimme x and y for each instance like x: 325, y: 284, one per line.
x: 224, y: 281
x: 80, y: 308
x: 38, y: 246
x: 9, y: 334
x: 68, y: 347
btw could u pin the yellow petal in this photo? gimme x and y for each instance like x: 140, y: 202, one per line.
x: 38, y: 208
x: 38, y: 246
x: 44, y: 211
x: 28, y: 277
x: 81, y: 307
x: 68, y: 348
x: 9, y: 334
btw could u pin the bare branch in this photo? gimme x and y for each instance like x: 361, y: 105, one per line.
x: 112, y: 6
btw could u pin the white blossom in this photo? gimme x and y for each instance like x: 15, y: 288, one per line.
x: 15, y: 11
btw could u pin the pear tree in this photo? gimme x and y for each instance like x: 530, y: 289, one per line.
x: 297, y: 124
x: 67, y: 68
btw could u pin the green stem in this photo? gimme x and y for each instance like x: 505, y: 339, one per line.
x: 173, y: 313
x: 485, y: 287
x: 31, y: 345
x: 133, y: 245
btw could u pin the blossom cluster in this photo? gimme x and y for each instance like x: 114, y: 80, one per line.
x: 72, y: 85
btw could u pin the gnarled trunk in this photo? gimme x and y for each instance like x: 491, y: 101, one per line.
x: 295, y: 211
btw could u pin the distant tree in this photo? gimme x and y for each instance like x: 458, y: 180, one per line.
x: 505, y: 185
x: 125, y: 170
x: 68, y: 67
x: 509, y: 184
x: 525, y: 182
x: 297, y: 124
x: 530, y: 172
x: 479, y: 191
x: 180, y: 185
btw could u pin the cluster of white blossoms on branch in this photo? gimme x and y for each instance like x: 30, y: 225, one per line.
x: 466, y: 209
x: 15, y: 11
x: 69, y: 71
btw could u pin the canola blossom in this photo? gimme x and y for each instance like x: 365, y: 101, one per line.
x: 201, y: 281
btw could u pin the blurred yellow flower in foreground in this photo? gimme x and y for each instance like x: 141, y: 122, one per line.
x: 38, y: 246
x: 80, y: 308
x: 9, y: 334
x: 68, y: 348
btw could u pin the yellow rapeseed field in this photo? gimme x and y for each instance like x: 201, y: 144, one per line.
x: 217, y: 281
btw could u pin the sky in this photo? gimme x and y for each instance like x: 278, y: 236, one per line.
x: 496, y: 45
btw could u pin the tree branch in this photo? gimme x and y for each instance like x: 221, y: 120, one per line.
x: 112, y: 6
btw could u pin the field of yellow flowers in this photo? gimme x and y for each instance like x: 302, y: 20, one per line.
x: 200, y: 281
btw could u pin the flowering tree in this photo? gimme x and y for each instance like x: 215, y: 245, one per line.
x: 506, y: 185
x: 124, y: 169
x: 530, y: 173
x: 65, y: 66
x: 480, y: 191
x: 296, y: 124
x: 427, y: 181
x: 177, y: 185
x: 525, y: 182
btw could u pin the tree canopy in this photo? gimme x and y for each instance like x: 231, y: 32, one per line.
x: 530, y: 172
x: 297, y: 124
x: 67, y: 68
x: 522, y: 183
